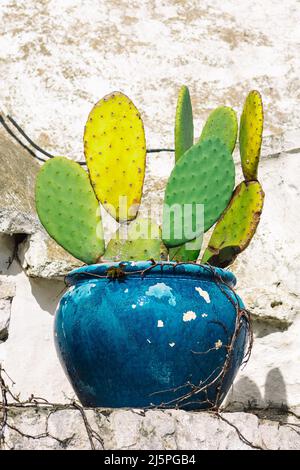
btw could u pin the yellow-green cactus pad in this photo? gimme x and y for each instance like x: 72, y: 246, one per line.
x: 187, y: 252
x: 139, y: 241
x: 68, y: 208
x: 184, y: 126
x: 235, y: 229
x: 115, y: 151
x: 221, y: 123
x: 251, y: 129
x: 203, y: 178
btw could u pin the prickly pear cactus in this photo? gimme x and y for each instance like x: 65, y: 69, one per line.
x: 115, y: 151
x: 187, y: 252
x: 250, y: 137
x: 141, y: 240
x: 235, y: 229
x: 68, y: 208
x: 204, y: 175
x: 221, y: 123
x: 184, y: 126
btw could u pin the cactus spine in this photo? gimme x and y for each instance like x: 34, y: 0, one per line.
x: 115, y: 151
x: 184, y: 126
x: 221, y: 123
x: 250, y: 137
x: 203, y: 176
x: 68, y: 208
x: 237, y: 225
x: 140, y: 240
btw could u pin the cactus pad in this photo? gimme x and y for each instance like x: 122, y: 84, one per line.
x: 187, y: 252
x: 140, y: 241
x: 203, y: 175
x: 221, y: 123
x: 184, y: 126
x: 235, y: 229
x: 68, y: 208
x: 251, y: 129
x: 115, y: 151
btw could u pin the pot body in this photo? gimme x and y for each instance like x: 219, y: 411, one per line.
x: 142, y: 340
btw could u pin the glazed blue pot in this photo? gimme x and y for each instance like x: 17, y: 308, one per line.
x: 160, y: 337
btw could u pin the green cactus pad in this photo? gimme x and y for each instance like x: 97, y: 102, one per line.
x: 115, y: 151
x: 184, y: 126
x: 68, y: 208
x: 235, y: 229
x: 187, y: 252
x: 221, y: 123
x: 251, y: 129
x: 139, y: 241
x: 203, y: 175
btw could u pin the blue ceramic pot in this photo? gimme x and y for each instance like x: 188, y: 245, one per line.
x: 161, y: 338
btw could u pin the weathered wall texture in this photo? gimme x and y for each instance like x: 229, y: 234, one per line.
x: 58, y: 58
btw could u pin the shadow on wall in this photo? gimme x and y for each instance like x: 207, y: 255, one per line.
x: 275, y: 391
x: 47, y: 293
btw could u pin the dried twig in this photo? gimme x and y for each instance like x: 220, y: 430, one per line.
x: 240, y: 435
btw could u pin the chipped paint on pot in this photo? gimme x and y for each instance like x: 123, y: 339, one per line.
x: 132, y: 341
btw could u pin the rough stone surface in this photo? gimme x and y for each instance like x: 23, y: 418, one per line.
x: 7, y: 251
x: 151, y: 430
x: 7, y: 293
x: 42, y: 257
x: 275, y: 249
x: 268, y: 282
x: 17, y: 177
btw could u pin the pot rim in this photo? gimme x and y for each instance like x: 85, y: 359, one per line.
x: 147, y: 268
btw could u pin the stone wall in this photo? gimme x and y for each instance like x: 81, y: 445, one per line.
x: 60, y: 58
x: 150, y: 430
